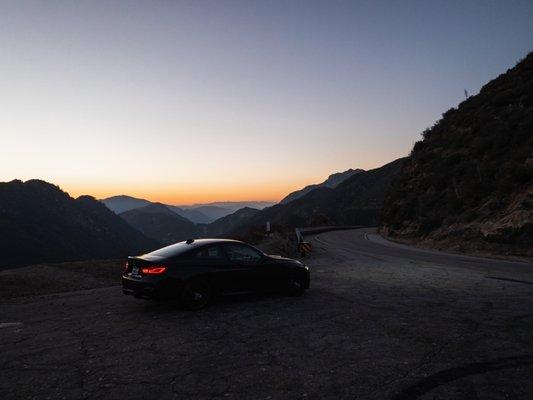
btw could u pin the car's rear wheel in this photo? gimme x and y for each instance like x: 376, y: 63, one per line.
x: 196, y: 294
x: 295, y: 286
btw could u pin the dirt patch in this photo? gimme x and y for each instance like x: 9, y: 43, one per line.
x: 62, y: 277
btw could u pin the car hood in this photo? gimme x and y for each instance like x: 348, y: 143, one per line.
x: 276, y: 257
x: 280, y: 258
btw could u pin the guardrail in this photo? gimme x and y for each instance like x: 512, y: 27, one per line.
x: 305, y: 248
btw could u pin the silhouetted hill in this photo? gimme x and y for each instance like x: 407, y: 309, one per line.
x: 122, y: 203
x: 213, y: 212
x: 41, y: 223
x: 356, y: 201
x: 192, y: 215
x: 332, y: 182
x: 468, y: 183
x: 230, y: 222
x: 158, y: 222
x: 233, y: 206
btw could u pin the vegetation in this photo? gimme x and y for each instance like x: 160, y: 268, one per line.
x: 468, y: 183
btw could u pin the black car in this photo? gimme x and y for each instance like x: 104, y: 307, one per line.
x: 194, y: 271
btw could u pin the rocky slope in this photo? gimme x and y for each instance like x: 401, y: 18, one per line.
x: 468, y: 184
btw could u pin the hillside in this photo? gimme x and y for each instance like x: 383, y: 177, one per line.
x: 44, y: 224
x: 468, y: 183
x: 160, y: 223
x: 230, y: 222
x: 332, y: 182
x: 356, y: 201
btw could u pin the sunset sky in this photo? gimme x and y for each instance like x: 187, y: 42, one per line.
x: 185, y: 102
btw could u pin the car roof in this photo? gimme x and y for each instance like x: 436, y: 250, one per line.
x: 204, y: 241
x: 178, y: 248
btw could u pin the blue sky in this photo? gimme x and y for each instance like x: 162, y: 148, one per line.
x: 227, y: 100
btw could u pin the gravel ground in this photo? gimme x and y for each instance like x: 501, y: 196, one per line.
x: 62, y: 277
x: 379, y: 322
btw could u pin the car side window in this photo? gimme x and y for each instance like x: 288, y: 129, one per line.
x: 209, y: 253
x: 242, y: 254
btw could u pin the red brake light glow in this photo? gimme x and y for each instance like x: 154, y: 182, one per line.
x: 153, y: 270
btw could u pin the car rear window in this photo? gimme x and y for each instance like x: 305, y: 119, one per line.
x: 171, y: 251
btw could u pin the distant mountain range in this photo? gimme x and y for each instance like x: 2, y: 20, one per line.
x: 230, y: 222
x: 41, y: 223
x: 332, y: 182
x: 159, y: 222
x: 355, y: 201
x: 197, y: 213
x: 47, y: 225
x: 468, y: 185
x: 234, y: 205
x: 345, y: 198
x: 123, y: 203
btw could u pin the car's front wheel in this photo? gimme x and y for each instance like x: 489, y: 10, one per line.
x: 196, y: 294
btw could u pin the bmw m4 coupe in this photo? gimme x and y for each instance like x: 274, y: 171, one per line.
x: 194, y: 271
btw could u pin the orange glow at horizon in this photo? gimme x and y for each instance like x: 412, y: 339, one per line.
x: 188, y: 195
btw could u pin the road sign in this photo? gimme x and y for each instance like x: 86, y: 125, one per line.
x: 304, y: 248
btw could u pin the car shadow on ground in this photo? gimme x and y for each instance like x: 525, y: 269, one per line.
x: 240, y: 301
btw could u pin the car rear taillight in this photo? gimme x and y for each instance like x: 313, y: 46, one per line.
x: 126, y: 266
x: 153, y: 270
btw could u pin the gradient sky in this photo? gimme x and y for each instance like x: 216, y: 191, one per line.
x: 187, y: 102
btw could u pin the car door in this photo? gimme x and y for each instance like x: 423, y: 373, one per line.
x: 245, y: 262
x: 210, y: 261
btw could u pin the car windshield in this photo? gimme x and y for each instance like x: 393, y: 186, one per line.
x: 171, y: 251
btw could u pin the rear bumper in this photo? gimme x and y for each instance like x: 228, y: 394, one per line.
x: 149, y: 289
x: 142, y: 290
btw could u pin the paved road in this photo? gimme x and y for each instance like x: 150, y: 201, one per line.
x: 380, y: 322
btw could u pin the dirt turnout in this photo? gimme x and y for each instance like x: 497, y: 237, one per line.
x: 379, y: 322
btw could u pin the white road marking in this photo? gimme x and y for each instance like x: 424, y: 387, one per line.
x: 9, y: 324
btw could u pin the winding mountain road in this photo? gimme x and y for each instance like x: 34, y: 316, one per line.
x: 381, y: 321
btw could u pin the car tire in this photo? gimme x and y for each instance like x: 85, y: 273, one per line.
x: 196, y: 294
x: 295, y: 286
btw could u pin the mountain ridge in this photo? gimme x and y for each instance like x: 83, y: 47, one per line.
x: 200, y: 213
x: 355, y: 201
x: 159, y: 222
x: 46, y: 224
x: 331, y: 182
